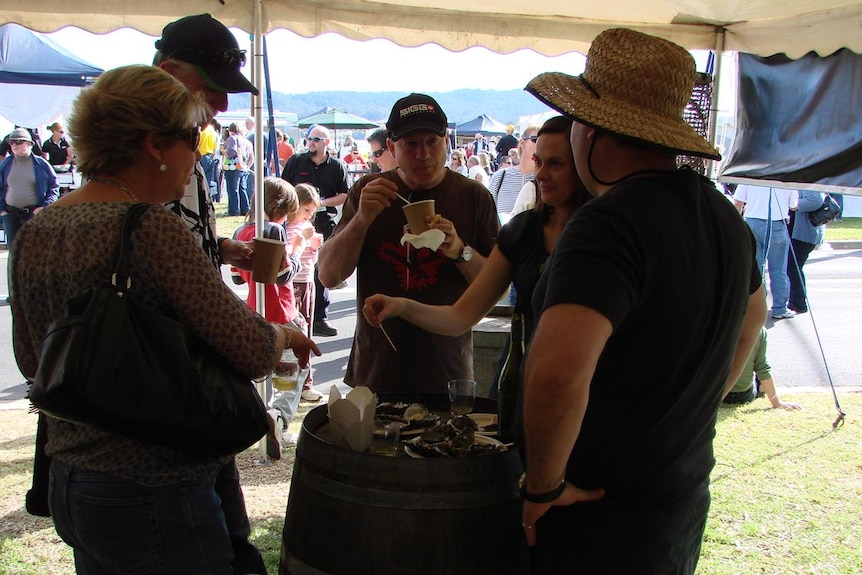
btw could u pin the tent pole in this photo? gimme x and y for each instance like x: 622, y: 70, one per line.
x: 713, y: 103
x: 255, y: 103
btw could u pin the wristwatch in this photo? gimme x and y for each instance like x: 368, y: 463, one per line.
x: 539, y: 497
x: 465, y: 256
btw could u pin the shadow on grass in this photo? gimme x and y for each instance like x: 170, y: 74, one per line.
x: 18, y: 522
x: 22, y: 441
x: 724, y: 471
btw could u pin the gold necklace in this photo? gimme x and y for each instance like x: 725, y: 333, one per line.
x: 116, y: 185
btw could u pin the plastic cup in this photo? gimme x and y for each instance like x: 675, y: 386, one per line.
x: 268, y: 257
x: 285, y: 376
x: 416, y: 213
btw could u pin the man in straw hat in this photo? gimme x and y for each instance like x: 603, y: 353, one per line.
x: 651, y: 304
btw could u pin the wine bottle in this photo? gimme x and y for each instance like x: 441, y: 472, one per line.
x: 507, y: 385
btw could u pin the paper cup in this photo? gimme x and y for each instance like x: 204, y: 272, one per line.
x: 416, y: 213
x: 268, y: 257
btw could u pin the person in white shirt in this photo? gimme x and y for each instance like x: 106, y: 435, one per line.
x: 766, y: 211
x: 475, y: 171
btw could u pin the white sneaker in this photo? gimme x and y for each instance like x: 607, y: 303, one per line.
x: 288, y: 439
x: 311, y: 395
x: 786, y: 315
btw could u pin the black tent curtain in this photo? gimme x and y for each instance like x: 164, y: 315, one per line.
x: 799, y: 123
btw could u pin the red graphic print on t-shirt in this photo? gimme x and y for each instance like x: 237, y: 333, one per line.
x: 420, y: 272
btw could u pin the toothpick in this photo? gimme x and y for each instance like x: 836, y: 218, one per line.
x: 389, y: 339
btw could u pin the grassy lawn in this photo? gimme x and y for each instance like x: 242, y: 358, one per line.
x: 786, y: 492
x: 846, y: 229
x: 225, y: 224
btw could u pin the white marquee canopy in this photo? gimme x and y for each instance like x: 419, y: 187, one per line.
x: 551, y: 27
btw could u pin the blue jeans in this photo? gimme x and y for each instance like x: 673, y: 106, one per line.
x: 236, y: 184
x: 209, y: 164
x: 115, y: 525
x: 13, y: 220
x: 775, y: 257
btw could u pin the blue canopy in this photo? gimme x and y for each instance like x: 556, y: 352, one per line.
x: 487, y: 125
x: 30, y: 58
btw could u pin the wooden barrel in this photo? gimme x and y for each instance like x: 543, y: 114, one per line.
x: 357, y: 513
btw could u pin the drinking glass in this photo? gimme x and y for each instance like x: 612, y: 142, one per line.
x: 386, y: 440
x: 462, y: 394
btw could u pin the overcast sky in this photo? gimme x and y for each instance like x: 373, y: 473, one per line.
x: 331, y: 62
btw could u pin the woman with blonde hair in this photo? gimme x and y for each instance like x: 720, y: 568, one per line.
x: 123, y: 504
x: 458, y: 162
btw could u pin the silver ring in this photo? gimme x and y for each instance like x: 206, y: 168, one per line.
x: 525, y: 526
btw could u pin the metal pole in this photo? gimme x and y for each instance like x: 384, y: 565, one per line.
x: 713, y: 104
x: 255, y: 104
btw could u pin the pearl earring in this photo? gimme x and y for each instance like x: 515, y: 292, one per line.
x: 163, y: 168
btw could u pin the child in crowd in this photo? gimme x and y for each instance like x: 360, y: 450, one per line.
x: 303, y: 282
x: 756, y: 380
x: 280, y: 205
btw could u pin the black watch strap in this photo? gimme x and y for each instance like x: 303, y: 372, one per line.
x: 540, y: 497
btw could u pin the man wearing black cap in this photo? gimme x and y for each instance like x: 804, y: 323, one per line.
x: 369, y: 239
x: 203, y: 54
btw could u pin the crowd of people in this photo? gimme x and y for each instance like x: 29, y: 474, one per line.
x: 615, y: 433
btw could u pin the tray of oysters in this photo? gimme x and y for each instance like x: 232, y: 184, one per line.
x: 414, y: 418
x: 458, y: 437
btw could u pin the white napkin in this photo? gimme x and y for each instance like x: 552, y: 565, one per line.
x: 431, y: 239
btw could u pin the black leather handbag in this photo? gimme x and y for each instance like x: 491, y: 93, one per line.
x: 828, y: 211
x: 118, y: 366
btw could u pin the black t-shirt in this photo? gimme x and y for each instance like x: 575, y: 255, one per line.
x: 505, y: 144
x: 56, y: 152
x: 671, y: 264
x: 330, y: 177
x: 522, y: 242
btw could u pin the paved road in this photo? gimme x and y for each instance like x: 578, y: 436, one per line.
x: 835, y: 286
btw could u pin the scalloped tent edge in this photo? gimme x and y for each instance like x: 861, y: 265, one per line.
x: 552, y: 27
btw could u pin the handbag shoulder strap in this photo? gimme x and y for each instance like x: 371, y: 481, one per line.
x: 120, y: 278
x: 500, y: 185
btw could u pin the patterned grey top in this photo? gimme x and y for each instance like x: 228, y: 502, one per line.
x: 68, y: 249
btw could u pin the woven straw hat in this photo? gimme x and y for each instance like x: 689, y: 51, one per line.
x: 634, y: 85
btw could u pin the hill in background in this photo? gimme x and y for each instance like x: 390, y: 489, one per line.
x: 460, y: 105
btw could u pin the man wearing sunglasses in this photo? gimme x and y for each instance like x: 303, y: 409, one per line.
x: 380, y: 154
x: 329, y: 175
x: 203, y: 54
x: 27, y: 184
